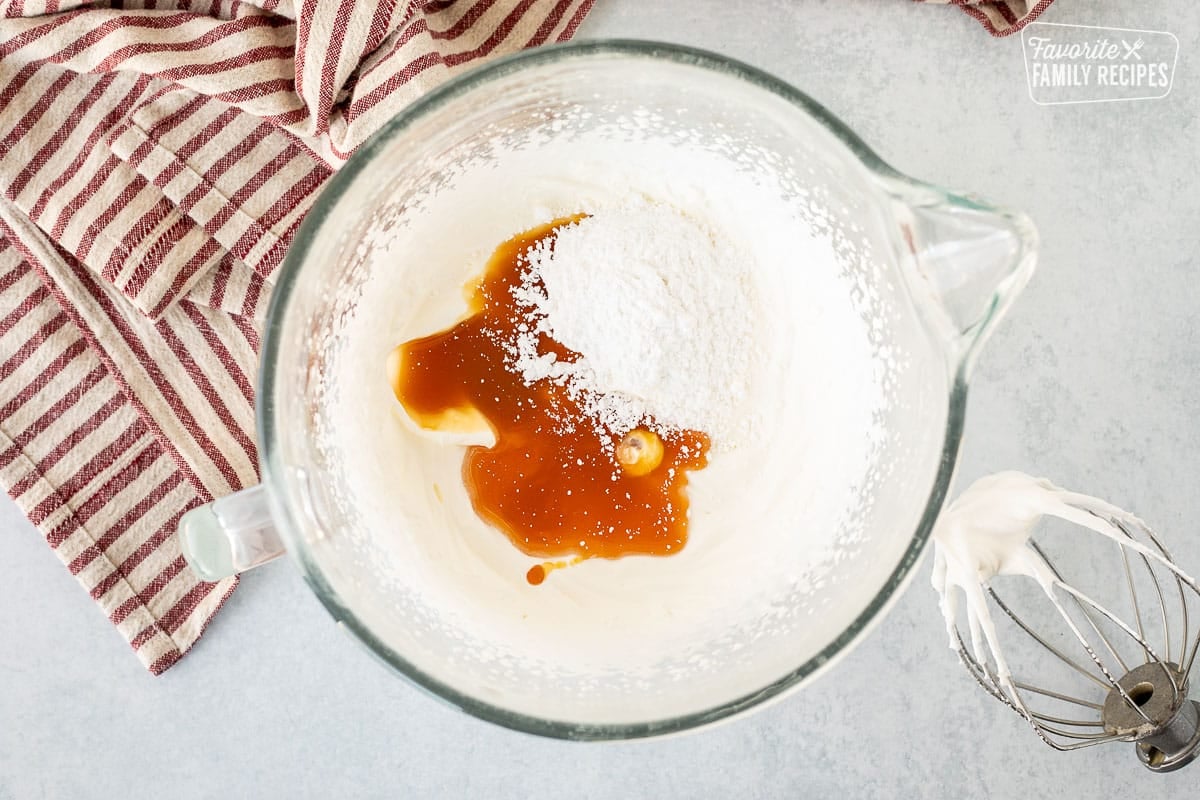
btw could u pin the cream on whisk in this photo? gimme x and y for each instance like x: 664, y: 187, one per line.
x: 986, y: 532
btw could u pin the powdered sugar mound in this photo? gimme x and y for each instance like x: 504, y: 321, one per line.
x: 660, y: 306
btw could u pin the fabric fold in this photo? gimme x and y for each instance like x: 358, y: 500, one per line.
x: 87, y: 466
x: 1000, y: 17
x: 154, y: 166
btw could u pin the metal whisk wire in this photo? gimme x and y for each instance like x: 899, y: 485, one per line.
x: 1140, y: 681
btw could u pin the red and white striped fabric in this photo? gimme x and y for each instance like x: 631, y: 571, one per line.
x: 1000, y: 17
x: 156, y: 157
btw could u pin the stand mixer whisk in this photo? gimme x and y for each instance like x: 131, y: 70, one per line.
x: 1086, y: 674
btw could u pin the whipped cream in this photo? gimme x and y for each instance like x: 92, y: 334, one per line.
x: 986, y: 532
x: 770, y: 518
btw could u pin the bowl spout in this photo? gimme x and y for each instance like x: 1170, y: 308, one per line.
x: 968, y: 262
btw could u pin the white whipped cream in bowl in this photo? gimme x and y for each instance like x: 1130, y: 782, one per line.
x: 832, y: 311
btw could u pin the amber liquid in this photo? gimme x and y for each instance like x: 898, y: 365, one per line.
x: 556, y: 491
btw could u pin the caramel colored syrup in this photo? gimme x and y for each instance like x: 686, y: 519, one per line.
x: 558, y: 491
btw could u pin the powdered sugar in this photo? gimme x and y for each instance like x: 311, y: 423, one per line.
x: 660, y: 306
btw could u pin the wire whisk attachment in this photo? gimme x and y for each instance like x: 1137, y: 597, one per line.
x: 1081, y: 672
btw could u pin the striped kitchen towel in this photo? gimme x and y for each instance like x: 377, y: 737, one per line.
x: 156, y: 157
x: 1000, y: 17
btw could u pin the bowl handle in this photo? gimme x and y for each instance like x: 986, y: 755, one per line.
x: 230, y: 535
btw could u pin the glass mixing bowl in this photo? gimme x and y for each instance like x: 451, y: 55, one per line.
x: 931, y: 270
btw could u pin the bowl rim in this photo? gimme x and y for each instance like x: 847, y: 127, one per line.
x: 273, y: 470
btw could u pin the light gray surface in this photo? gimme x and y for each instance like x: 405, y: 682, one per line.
x: 1092, y: 380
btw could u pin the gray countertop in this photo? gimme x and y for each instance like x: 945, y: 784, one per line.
x: 1092, y: 380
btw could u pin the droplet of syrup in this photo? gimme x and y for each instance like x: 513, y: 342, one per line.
x: 536, y: 574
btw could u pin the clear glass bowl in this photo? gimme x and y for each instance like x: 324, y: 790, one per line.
x: 933, y: 270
